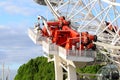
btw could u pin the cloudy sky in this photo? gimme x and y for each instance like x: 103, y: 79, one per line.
x: 16, y: 48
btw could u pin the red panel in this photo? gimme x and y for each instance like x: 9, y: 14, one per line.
x: 73, y: 33
x: 63, y: 35
x: 60, y: 37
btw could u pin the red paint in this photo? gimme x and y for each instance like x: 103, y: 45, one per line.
x: 63, y: 35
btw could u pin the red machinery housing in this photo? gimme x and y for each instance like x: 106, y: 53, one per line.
x: 63, y: 35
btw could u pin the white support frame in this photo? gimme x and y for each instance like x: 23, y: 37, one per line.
x: 84, y: 11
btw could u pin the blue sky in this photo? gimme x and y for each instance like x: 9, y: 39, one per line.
x: 16, y: 48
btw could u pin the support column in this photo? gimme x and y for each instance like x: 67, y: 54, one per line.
x: 71, y: 73
x: 58, y: 68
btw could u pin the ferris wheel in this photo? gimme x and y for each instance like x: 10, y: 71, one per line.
x: 99, y: 17
x: 96, y: 17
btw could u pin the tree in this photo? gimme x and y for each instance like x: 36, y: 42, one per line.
x: 40, y: 69
x: 36, y: 69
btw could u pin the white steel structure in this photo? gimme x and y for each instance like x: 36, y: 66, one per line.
x: 98, y: 17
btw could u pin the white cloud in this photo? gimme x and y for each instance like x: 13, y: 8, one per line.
x: 4, y: 27
x: 16, y: 48
x: 15, y: 45
x: 5, y: 30
x: 14, y: 8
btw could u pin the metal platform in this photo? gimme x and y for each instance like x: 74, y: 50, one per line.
x: 77, y: 55
x: 35, y: 36
x: 51, y: 48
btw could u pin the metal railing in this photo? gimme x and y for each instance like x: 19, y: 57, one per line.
x: 48, y: 47
x: 89, y: 76
x: 82, y: 53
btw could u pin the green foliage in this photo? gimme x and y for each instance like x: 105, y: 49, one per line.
x: 89, y: 69
x: 40, y: 69
x: 92, y: 69
x: 36, y: 69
